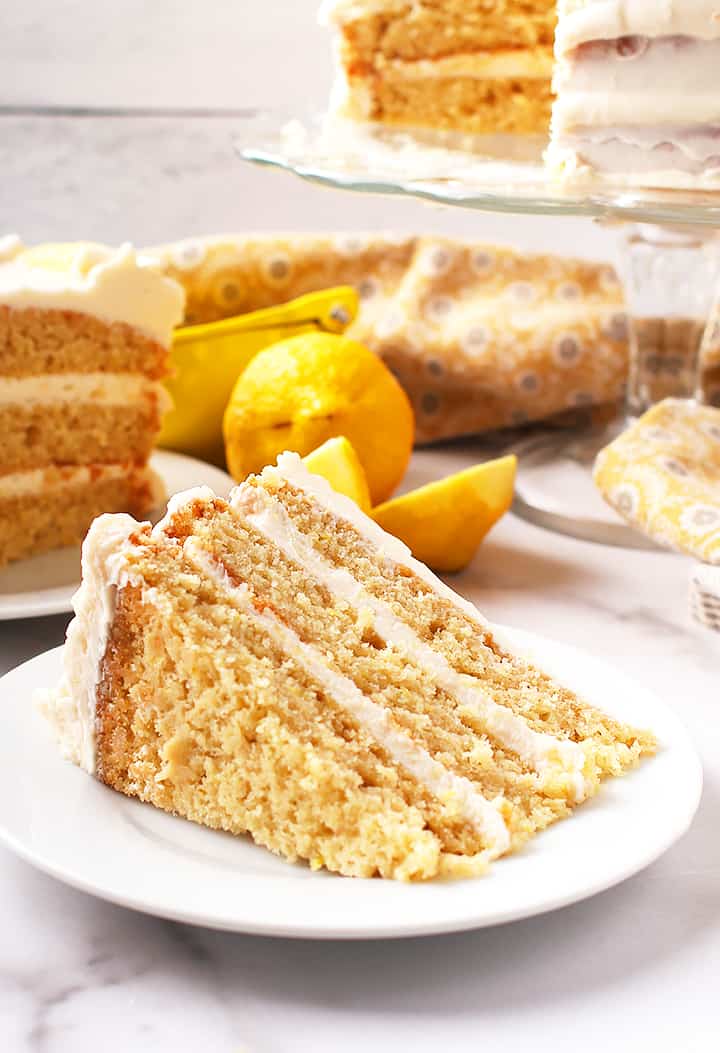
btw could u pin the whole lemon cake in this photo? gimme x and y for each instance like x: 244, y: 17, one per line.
x: 276, y: 664
x: 473, y: 66
x: 85, y: 332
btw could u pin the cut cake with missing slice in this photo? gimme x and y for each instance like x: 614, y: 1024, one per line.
x: 278, y: 665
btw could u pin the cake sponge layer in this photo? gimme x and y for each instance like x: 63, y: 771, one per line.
x: 71, y: 433
x: 473, y: 105
x: 203, y: 714
x: 35, y: 341
x: 432, y: 29
x: 47, y: 509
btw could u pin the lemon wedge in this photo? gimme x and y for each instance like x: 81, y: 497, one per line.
x: 337, y: 462
x: 444, y: 522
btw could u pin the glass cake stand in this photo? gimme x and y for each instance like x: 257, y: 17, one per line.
x: 668, y: 258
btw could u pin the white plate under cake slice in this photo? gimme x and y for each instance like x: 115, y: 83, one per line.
x: 278, y: 665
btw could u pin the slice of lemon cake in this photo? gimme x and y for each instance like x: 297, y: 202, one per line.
x: 84, y: 344
x: 278, y: 665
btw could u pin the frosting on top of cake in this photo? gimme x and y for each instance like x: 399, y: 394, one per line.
x: 114, y: 285
x: 610, y: 19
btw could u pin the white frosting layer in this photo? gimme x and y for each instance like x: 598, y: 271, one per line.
x: 72, y: 707
x: 374, y: 719
x: 543, y: 752
x: 667, y: 81
x: 38, y: 481
x: 696, y: 143
x: 291, y: 468
x: 114, y: 285
x: 179, y: 501
x: 483, y: 65
x: 114, y: 389
x: 596, y: 109
x: 643, y: 110
x: 577, y: 160
x: 583, y: 20
x: 618, y: 155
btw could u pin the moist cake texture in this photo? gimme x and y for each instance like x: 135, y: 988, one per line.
x: 84, y: 345
x: 471, y: 66
x: 278, y: 665
x: 638, y: 93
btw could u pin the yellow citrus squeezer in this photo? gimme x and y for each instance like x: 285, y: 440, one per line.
x: 206, y: 361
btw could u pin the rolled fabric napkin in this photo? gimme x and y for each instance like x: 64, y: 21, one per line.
x: 480, y: 336
x: 663, y: 476
x: 705, y: 595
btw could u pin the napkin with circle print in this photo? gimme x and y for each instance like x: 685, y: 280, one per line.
x: 480, y: 336
x: 663, y: 476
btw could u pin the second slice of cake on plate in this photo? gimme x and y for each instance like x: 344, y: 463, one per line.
x: 85, y: 334
x: 278, y: 665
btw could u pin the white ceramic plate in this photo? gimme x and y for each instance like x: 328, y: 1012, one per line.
x: 62, y: 821
x: 32, y: 588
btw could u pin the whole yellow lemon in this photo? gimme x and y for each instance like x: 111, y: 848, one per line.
x: 297, y: 394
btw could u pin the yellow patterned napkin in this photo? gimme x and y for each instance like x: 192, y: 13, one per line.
x: 480, y: 336
x: 663, y: 476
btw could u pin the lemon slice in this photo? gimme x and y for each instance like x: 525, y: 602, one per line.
x: 337, y: 462
x: 444, y: 522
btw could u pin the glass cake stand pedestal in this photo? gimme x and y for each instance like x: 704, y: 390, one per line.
x: 668, y: 258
